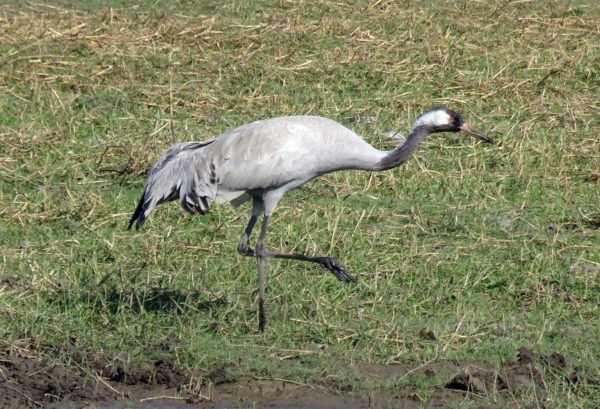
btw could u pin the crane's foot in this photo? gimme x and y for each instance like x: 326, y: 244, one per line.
x: 337, y: 270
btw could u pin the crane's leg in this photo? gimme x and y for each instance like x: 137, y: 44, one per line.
x: 243, y: 244
x: 336, y: 268
x: 258, y: 207
x: 261, y: 253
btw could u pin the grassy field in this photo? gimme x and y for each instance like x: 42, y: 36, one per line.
x: 465, y: 253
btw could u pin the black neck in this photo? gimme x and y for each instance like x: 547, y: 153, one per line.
x: 402, y: 153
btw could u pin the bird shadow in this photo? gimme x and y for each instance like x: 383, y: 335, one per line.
x: 115, y: 300
x: 160, y: 300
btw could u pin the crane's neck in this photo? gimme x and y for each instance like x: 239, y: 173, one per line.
x: 403, y: 152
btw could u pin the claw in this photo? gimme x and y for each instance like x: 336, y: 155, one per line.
x: 338, y: 270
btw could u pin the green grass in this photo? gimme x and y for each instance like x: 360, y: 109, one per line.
x: 490, y: 247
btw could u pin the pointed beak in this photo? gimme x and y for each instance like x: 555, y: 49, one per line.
x: 468, y: 129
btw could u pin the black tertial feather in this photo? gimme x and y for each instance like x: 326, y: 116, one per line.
x: 138, y: 215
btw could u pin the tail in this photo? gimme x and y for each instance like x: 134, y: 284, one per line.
x: 182, y: 172
x: 138, y: 215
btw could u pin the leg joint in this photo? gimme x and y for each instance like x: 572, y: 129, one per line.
x: 261, y: 250
x: 243, y: 248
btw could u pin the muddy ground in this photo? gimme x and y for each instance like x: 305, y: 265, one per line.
x: 28, y: 379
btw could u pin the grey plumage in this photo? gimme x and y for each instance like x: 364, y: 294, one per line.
x: 263, y: 160
x: 178, y: 174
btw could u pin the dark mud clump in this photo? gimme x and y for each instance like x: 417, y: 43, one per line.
x: 164, y: 372
x: 526, y: 373
x: 28, y: 379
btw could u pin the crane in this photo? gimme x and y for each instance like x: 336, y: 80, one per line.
x: 262, y: 160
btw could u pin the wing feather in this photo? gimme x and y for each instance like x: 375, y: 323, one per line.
x: 183, y: 172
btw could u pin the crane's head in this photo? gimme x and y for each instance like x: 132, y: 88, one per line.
x: 442, y: 119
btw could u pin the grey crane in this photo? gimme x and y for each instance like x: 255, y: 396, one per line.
x: 263, y: 160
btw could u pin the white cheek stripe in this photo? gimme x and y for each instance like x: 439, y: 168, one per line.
x: 435, y: 118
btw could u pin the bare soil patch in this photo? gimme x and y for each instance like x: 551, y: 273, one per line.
x: 526, y: 373
x: 28, y: 379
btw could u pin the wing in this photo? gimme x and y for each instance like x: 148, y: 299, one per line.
x: 287, y: 151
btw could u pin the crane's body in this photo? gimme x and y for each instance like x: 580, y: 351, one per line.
x: 263, y: 160
x: 300, y: 148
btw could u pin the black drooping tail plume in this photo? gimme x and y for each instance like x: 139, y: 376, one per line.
x: 182, y: 172
x: 138, y: 215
